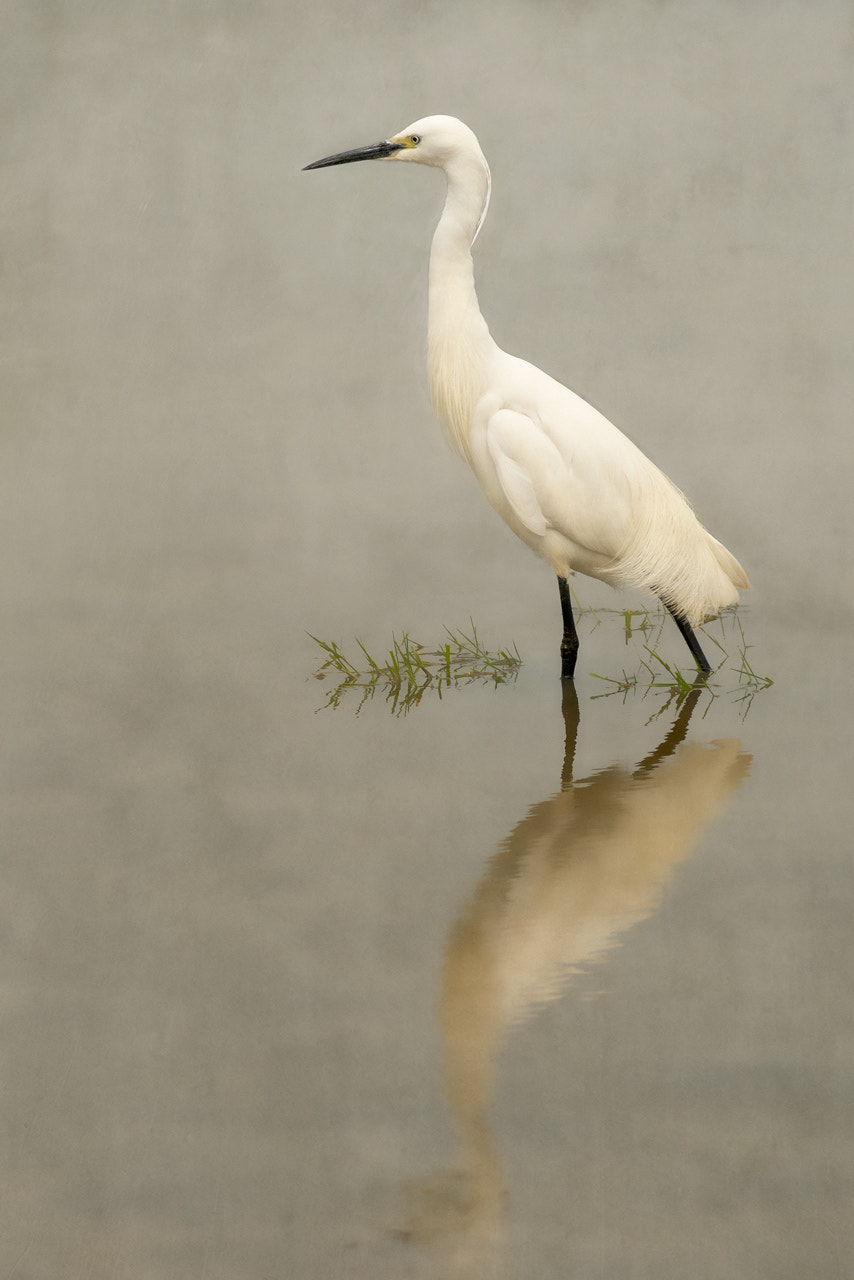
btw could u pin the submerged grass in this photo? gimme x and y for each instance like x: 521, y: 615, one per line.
x: 410, y: 670
x: 724, y: 634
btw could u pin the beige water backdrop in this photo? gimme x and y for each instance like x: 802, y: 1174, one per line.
x: 263, y: 968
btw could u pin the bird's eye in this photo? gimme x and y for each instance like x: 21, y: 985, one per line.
x: 415, y: 138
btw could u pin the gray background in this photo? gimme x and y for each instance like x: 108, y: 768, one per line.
x: 227, y: 916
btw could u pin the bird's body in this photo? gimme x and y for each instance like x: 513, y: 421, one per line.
x: 568, y: 483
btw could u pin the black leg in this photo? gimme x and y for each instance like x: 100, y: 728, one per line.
x: 569, y: 643
x: 691, y: 640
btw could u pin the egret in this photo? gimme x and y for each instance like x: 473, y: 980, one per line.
x: 568, y: 483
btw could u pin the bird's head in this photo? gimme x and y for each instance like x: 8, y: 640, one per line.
x: 441, y: 141
x: 435, y: 140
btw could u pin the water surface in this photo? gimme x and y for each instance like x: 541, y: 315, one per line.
x: 506, y: 986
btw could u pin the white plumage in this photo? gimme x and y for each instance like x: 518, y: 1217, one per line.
x: 567, y: 482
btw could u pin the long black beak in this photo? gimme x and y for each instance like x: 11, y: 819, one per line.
x: 376, y: 151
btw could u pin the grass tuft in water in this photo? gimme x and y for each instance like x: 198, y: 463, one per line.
x: 409, y: 670
x: 654, y: 672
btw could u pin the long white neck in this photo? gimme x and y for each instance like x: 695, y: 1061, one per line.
x: 458, y: 340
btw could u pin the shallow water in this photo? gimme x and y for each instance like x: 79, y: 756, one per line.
x: 512, y: 985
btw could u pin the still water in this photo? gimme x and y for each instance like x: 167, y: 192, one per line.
x: 518, y: 983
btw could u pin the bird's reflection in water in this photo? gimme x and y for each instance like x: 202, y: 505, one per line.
x: 569, y: 880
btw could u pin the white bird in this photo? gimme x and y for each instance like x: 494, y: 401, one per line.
x: 568, y: 483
